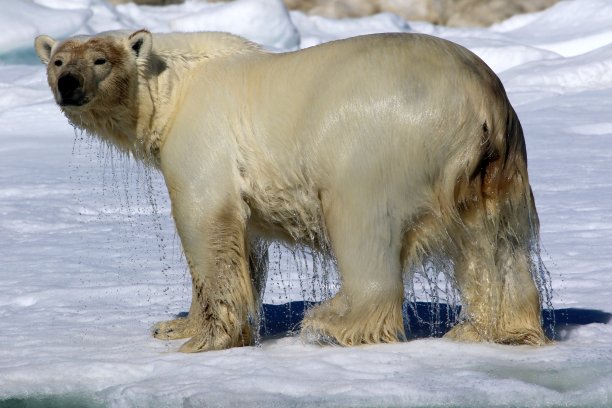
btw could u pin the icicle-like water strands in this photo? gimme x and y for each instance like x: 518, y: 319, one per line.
x: 316, y: 272
x: 130, y: 198
x: 299, y: 277
x: 542, y: 278
x: 431, y: 299
x: 79, y: 175
x: 432, y: 302
x: 161, y: 245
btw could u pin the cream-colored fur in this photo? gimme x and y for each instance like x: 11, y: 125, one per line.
x: 382, y: 150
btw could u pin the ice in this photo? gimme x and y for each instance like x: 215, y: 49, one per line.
x: 89, y: 258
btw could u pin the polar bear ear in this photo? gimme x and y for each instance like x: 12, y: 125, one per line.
x: 43, y: 45
x: 140, y: 43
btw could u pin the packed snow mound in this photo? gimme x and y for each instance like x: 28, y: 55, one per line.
x: 316, y: 30
x: 262, y: 21
x: 499, y: 52
x: 592, y: 70
x: 23, y: 20
x: 66, y: 4
x: 568, y: 28
x: 265, y: 22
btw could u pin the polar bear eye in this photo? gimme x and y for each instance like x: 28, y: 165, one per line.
x: 100, y: 61
x: 58, y: 63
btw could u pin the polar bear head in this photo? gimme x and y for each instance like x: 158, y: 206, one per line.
x: 98, y: 70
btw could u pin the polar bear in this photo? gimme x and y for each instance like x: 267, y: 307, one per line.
x: 384, y: 150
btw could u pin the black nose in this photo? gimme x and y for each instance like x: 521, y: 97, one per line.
x: 70, y: 87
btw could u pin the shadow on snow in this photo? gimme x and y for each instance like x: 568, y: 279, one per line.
x: 423, y: 319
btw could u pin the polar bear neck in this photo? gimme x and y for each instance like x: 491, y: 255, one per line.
x: 162, y: 78
x: 139, y: 124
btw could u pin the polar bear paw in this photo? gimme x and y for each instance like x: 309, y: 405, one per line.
x: 469, y: 333
x: 214, y: 336
x: 465, y: 332
x: 180, y: 328
x: 335, y: 322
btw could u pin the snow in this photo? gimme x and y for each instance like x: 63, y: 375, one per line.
x: 315, y: 30
x: 567, y: 28
x: 90, y: 259
x: 21, y: 21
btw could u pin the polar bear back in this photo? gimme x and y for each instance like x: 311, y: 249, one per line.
x: 407, y: 115
x: 331, y: 113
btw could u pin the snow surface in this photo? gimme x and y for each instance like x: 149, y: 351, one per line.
x: 90, y: 259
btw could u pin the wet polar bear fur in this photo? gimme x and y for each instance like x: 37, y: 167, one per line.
x: 385, y: 150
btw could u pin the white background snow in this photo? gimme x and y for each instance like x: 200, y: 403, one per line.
x: 89, y: 259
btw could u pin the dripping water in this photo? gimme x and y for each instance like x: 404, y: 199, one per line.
x: 127, y: 199
x: 431, y: 298
x: 543, y: 280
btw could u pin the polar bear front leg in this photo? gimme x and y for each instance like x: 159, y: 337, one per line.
x: 214, y: 241
x: 186, y: 327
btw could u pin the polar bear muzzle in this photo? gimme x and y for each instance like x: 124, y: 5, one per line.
x: 70, y: 89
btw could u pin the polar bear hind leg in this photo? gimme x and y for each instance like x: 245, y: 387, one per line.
x: 499, y: 297
x: 493, y: 253
x: 368, y: 308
